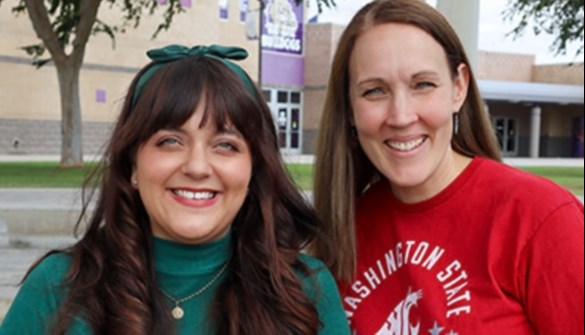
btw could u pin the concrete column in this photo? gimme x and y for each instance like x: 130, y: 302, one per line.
x: 464, y: 17
x: 535, y: 131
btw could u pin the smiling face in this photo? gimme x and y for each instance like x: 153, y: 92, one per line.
x: 403, y: 97
x: 193, y: 180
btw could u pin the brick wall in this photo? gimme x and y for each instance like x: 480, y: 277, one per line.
x: 321, y: 41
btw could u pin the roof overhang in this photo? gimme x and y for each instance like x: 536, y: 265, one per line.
x: 530, y: 92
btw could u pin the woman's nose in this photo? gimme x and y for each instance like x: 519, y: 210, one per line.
x: 197, y: 163
x: 401, y: 111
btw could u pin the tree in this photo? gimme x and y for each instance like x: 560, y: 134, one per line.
x: 561, y: 18
x: 64, y: 28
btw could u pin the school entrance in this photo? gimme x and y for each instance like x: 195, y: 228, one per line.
x: 286, y: 107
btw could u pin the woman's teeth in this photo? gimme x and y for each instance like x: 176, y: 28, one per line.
x: 405, y: 146
x: 194, y: 195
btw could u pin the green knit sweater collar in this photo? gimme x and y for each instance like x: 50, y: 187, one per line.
x: 191, y: 259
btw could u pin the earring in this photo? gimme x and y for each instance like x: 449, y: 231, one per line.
x: 134, y: 182
x: 456, y: 123
x: 353, y: 137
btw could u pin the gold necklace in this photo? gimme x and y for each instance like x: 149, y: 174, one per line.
x: 177, y: 312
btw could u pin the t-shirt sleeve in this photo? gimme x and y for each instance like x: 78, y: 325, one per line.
x: 37, y: 300
x: 326, y: 296
x: 550, y: 276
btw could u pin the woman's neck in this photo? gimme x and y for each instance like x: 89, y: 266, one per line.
x: 178, y: 258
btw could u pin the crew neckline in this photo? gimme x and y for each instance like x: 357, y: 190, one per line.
x: 441, y: 197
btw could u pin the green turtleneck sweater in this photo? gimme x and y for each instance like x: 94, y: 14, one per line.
x: 181, y: 270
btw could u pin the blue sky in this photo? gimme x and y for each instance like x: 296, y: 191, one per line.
x: 492, y: 31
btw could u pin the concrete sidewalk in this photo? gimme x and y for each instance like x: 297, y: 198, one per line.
x: 310, y: 159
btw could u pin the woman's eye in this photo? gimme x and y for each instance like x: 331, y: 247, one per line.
x: 167, y: 141
x: 227, y: 146
x: 373, y: 91
x: 424, y: 84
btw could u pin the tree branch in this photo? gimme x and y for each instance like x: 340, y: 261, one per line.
x: 88, y: 10
x: 42, y: 26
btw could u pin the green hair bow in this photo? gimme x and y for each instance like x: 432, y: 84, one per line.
x: 176, y: 52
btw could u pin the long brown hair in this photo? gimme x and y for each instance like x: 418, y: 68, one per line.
x: 343, y: 170
x: 111, y: 281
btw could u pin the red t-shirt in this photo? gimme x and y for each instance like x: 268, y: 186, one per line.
x: 499, y: 251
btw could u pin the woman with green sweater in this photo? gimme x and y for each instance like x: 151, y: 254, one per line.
x: 197, y: 228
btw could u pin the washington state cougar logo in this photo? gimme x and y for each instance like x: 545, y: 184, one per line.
x: 398, y: 322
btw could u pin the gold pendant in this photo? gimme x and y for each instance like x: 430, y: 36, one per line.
x: 177, y: 313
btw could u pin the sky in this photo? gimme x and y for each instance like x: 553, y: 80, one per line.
x: 492, y: 31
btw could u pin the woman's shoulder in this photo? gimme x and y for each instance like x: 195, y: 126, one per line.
x: 317, y: 271
x: 319, y: 277
x: 520, y: 183
x: 524, y: 195
x: 39, y: 297
x: 320, y: 287
x: 311, y: 262
x: 51, y: 270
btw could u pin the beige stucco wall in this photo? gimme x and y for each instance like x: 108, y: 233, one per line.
x: 34, y: 94
x: 568, y: 74
x: 505, y: 66
x: 27, y: 93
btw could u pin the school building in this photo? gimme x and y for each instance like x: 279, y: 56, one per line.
x: 537, y: 110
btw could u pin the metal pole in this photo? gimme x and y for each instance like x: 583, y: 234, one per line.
x: 260, y: 28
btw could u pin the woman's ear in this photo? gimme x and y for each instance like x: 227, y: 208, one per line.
x: 461, y: 86
x: 351, y: 118
x: 134, y: 180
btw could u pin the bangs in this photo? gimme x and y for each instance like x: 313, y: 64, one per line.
x: 173, y: 94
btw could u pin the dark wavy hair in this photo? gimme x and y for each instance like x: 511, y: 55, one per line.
x: 111, y: 281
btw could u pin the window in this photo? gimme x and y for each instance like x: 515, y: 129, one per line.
x: 282, y: 97
x: 243, y: 10
x: 100, y: 96
x: 224, y: 9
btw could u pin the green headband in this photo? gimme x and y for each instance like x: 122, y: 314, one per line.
x: 175, y: 52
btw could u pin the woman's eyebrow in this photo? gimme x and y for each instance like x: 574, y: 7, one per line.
x: 231, y: 130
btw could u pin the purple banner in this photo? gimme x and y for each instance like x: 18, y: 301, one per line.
x: 283, y: 26
x: 282, y: 69
x: 223, y: 9
x: 243, y: 10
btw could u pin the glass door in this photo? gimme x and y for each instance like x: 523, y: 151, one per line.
x: 507, y: 133
x: 287, y: 113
